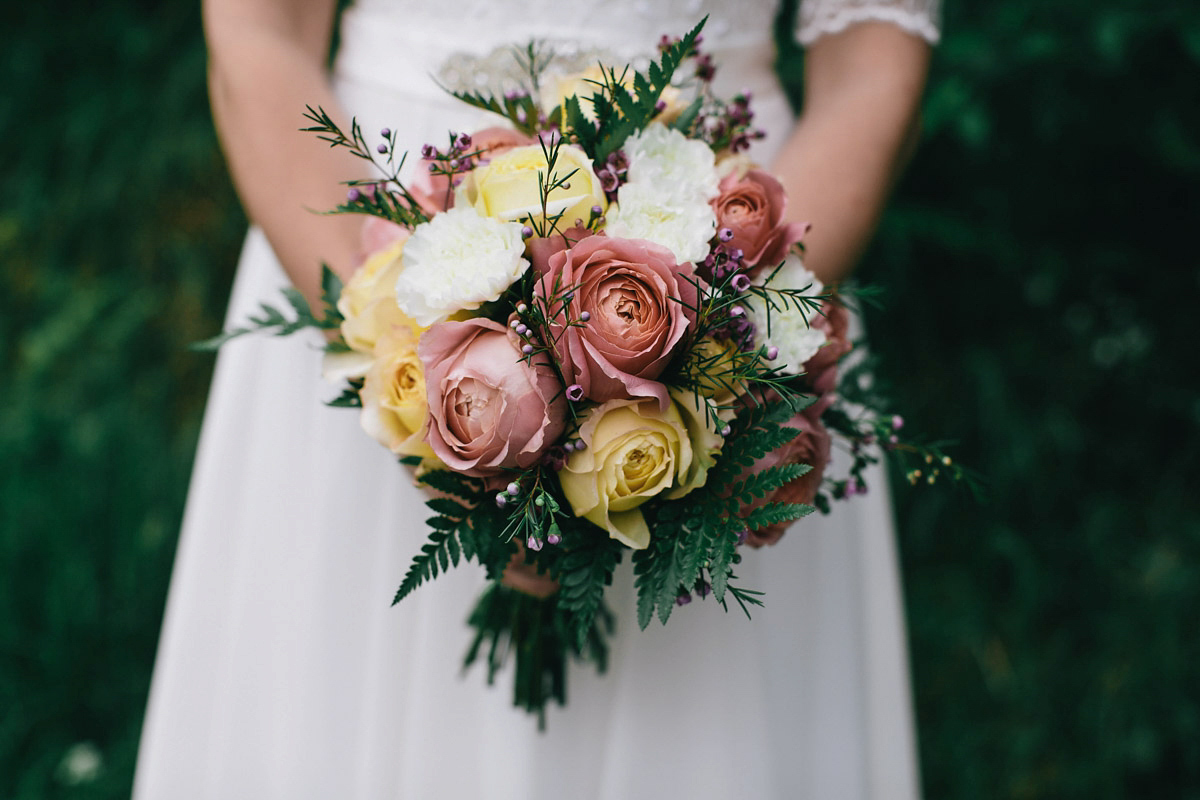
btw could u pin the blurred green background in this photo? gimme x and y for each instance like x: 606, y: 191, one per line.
x: 1041, y: 292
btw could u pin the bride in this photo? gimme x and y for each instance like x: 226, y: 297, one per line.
x: 282, y: 670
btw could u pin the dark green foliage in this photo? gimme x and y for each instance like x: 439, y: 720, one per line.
x: 582, y: 574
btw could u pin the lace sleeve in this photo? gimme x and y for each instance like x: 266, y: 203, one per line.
x: 820, y: 17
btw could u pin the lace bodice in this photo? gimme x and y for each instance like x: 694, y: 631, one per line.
x: 820, y: 17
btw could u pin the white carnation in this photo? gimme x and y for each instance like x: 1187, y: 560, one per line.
x: 672, y: 163
x: 683, y: 226
x: 457, y: 261
x: 790, y: 331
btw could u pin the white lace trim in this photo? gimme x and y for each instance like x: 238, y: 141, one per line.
x: 819, y: 18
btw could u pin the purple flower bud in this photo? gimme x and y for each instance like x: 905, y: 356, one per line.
x: 533, y: 543
x: 683, y: 599
x: 585, y: 316
x: 513, y: 488
x: 737, y: 311
x: 569, y: 446
x: 660, y: 106
x: 897, y: 422
x: 514, y: 324
x: 741, y: 282
x: 772, y: 353
x: 580, y: 445
x: 703, y: 589
x: 353, y: 196
x: 553, y: 538
x: 501, y: 500
x: 574, y: 392
x: 597, y: 211
x: 386, y: 132
x: 726, y: 430
x: 527, y: 349
x: 737, y: 254
x: 743, y: 535
x: 382, y: 148
x: 428, y: 151
x: 521, y: 307
x: 464, y: 140
x: 725, y: 234
x: 433, y: 168
x: 893, y: 439
x: 521, y: 329
x: 851, y: 487
x: 526, y: 232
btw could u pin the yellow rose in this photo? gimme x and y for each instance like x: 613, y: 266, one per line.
x: 368, y: 300
x: 634, y: 452
x: 506, y: 187
x: 393, y: 395
x: 556, y: 90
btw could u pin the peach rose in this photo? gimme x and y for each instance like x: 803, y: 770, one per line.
x: 751, y: 204
x: 638, y: 304
x: 489, y: 411
x: 812, y: 447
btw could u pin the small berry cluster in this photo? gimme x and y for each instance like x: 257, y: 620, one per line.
x: 727, y: 125
x: 725, y: 267
x: 613, y: 173
x: 455, y: 160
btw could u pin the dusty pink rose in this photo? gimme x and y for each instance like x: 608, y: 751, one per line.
x: 490, y: 142
x: 624, y: 288
x: 488, y: 410
x: 812, y: 447
x: 821, y: 371
x: 752, y: 205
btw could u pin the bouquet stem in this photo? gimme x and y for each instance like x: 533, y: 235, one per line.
x: 536, y: 630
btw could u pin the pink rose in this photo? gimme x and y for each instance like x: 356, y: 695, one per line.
x: 489, y: 411
x: 821, y: 371
x: 629, y: 293
x: 489, y: 142
x: 752, y: 206
x: 812, y: 447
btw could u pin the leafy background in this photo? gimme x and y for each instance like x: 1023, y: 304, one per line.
x: 1041, y: 294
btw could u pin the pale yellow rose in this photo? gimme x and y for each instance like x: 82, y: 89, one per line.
x: 394, y: 408
x: 634, y: 453
x: 506, y: 188
x: 368, y: 300
x: 705, y: 440
x: 556, y: 90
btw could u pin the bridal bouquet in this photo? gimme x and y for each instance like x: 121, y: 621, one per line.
x: 591, y: 334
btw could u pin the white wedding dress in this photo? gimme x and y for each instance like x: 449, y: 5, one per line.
x: 284, y: 672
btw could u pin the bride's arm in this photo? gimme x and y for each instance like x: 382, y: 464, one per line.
x: 862, y: 91
x: 266, y: 62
